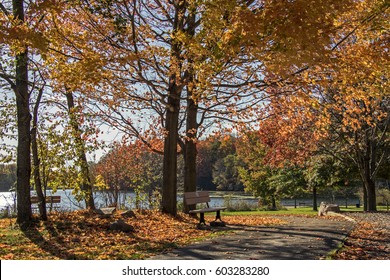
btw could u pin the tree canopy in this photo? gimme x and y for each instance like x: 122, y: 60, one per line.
x: 308, y: 78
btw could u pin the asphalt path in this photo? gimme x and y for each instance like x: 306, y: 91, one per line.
x: 300, y: 238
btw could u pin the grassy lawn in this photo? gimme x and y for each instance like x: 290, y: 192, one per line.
x: 289, y: 211
x: 296, y: 211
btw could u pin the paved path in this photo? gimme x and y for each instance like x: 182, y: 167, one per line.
x: 302, y: 238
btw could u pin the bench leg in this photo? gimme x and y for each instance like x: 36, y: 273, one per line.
x: 216, y: 223
x: 218, y: 216
x: 201, y: 219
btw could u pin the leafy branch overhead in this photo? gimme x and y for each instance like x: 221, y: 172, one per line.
x: 306, y: 79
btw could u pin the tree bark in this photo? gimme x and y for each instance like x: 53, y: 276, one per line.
x: 175, y: 87
x: 23, y: 160
x: 169, y: 189
x: 315, y: 198
x: 273, y: 200
x: 190, y: 152
x: 36, y: 161
x: 86, y: 185
x: 364, y: 198
x: 369, y: 185
x: 367, y: 166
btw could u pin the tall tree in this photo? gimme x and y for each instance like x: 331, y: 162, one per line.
x: 21, y: 38
x: 341, y: 98
x: 36, y: 158
x: 22, y: 93
x: 82, y: 162
x: 356, y: 94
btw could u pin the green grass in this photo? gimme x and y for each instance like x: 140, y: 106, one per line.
x: 360, y: 209
x: 289, y: 211
x: 333, y: 253
x: 351, y: 209
x: 382, y: 208
x: 295, y: 211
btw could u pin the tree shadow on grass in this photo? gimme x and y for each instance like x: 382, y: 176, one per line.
x: 90, y: 237
x: 51, y: 243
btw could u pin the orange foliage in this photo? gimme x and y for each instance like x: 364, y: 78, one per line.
x: 343, y: 94
x: 366, y: 242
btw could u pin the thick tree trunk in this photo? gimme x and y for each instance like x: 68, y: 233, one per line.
x: 169, y: 188
x: 367, y: 167
x: 273, y: 203
x: 190, y: 152
x: 369, y: 185
x: 23, y: 160
x: 86, y: 185
x: 36, y: 161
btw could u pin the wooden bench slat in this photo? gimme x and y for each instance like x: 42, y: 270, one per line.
x: 196, y: 197
x: 53, y: 199
x: 191, y: 201
x: 49, y: 199
x: 204, y: 210
x: 196, y: 194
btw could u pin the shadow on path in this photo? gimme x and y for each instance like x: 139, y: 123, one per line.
x: 302, y: 238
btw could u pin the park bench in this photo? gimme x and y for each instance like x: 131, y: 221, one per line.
x: 202, y: 197
x: 50, y: 201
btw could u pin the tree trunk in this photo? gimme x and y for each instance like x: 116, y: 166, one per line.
x: 86, y: 185
x: 36, y: 161
x: 190, y: 152
x: 369, y: 185
x: 365, y: 203
x: 315, y: 198
x: 273, y: 203
x: 23, y: 160
x: 169, y: 188
x: 366, y: 164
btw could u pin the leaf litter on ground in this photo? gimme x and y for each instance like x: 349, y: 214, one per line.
x: 369, y: 240
x: 87, y: 235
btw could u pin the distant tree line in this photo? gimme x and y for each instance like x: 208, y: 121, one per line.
x: 7, y: 177
x: 234, y: 163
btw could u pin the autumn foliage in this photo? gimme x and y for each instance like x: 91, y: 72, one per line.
x: 303, y: 74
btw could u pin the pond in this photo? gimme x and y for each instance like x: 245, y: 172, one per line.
x: 127, y: 199
x: 69, y: 202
